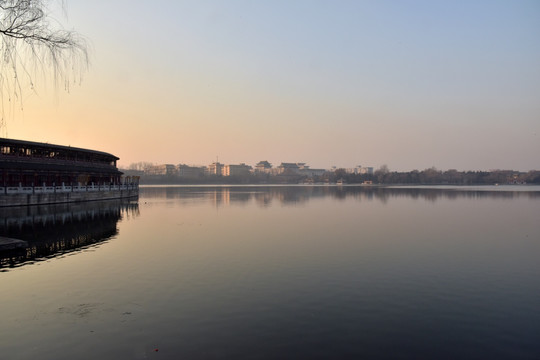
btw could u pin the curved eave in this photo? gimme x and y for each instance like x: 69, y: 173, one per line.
x: 8, y: 142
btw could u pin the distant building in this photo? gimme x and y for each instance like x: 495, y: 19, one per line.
x: 187, y: 171
x: 360, y: 170
x: 366, y: 170
x: 28, y: 164
x: 312, y: 172
x: 236, y: 170
x: 304, y: 169
x: 263, y: 167
x: 288, y: 168
x: 299, y: 169
x: 215, y: 168
x: 164, y: 169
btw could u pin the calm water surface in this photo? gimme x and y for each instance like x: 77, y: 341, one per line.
x: 276, y: 273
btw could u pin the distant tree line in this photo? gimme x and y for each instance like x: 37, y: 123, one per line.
x: 383, y: 175
x: 432, y: 176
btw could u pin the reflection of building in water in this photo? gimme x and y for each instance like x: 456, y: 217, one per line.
x: 263, y: 198
x: 57, y: 229
x: 226, y: 196
x: 220, y: 197
x: 265, y: 195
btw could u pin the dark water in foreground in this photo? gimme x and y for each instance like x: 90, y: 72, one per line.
x: 276, y: 273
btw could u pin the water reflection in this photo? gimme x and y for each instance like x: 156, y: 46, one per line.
x: 350, y: 272
x: 287, y: 195
x: 54, y: 230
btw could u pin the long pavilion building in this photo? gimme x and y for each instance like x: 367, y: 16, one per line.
x: 43, y: 168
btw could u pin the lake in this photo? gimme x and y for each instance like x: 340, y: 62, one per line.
x: 277, y: 272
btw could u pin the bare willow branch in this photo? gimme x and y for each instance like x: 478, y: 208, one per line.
x: 32, y: 46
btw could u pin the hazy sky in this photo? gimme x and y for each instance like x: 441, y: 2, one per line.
x: 409, y: 84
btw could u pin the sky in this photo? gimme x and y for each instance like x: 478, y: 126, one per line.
x: 407, y: 84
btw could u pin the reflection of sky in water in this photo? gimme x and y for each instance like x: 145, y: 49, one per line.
x: 285, y: 272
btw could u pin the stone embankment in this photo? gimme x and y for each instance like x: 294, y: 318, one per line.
x: 23, y: 196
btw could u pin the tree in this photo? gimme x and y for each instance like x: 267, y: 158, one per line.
x: 140, y: 166
x: 31, y: 45
x: 381, y: 174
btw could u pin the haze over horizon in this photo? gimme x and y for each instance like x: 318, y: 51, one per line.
x: 411, y: 84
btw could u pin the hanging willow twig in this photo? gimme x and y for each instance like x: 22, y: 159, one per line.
x: 31, y: 46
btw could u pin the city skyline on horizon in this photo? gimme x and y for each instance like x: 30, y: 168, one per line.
x: 331, y: 168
